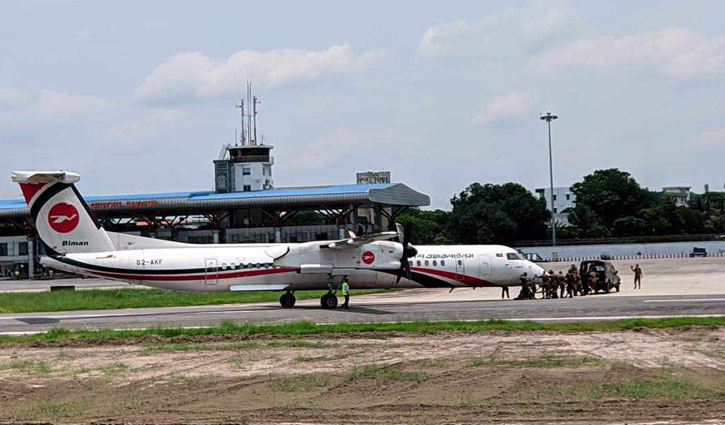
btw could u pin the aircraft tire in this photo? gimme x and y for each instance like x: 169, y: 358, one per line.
x: 328, y: 301
x: 287, y: 300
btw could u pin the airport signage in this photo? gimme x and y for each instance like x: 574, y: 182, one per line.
x: 113, y: 205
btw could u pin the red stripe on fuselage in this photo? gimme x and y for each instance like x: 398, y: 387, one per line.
x: 468, y: 280
x: 200, y: 276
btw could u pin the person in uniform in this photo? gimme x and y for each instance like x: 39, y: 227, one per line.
x: 505, y: 291
x: 637, y: 276
x: 570, y: 283
x: 561, y: 280
x: 545, y: 284
x: 553, y: 284
x: 523, y: 295
x: 345, y: 288
x: 593, y: 281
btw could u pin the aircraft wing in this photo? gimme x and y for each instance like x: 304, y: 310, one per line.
x: 355, y: 241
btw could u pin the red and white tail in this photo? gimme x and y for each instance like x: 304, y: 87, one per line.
x: 62, y: 218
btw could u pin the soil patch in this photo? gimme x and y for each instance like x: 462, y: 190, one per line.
x: 643, y: 376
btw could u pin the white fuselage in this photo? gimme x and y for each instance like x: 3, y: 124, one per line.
x: 259, y: 267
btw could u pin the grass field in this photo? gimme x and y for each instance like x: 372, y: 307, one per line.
x: 310, y: 328
x: 102, y: 299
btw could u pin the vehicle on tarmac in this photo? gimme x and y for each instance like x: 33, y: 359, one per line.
x: 74, y: 241
x: 698, y: 252
x: 607, y: 276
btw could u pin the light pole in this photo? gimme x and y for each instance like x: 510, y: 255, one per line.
x: 549, y: 118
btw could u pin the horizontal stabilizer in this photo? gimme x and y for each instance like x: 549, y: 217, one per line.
x: 44, y: 177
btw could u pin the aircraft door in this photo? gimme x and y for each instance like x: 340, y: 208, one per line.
x: 484, y: 267
x: 460, y: 270
x: 211, y: 273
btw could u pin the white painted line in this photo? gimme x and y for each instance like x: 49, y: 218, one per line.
x: 692, y: 300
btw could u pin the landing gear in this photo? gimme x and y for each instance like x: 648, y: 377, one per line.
x: 328, y: 301
x: 287, y: 300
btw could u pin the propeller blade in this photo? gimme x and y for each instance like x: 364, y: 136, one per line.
x: 407, y: 231
x: 404, y: 233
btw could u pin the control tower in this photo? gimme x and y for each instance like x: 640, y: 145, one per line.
x: 246, y: 165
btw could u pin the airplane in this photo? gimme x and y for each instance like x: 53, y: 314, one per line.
x: 75, y: 242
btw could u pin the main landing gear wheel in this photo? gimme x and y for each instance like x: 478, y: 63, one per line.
x: 328, y: 301
x: 287, y: 300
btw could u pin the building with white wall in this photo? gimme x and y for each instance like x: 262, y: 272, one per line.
x: 564, y: 201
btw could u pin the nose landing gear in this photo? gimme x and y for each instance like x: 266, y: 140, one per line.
x: 287, y: 300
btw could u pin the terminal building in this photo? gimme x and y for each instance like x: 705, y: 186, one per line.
x: 244, y: 207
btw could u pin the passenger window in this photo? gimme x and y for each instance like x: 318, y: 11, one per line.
x: 418, y: 263
x: 435, y: 263
x: 426, y: 263
x: 460, y: 262
x: 224, y: 266
x: 443, y: 263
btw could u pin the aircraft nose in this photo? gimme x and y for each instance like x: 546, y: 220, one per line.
x: 535, y: 270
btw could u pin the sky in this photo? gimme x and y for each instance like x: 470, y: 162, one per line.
x: 139, y: 96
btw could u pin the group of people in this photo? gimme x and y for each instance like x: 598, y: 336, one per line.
x: 567, y: 285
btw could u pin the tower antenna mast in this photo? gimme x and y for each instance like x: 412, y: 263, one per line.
x: 241, y: 107
x: 255, y: 102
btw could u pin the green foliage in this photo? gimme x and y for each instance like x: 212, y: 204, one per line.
x: 385, y: 372
x: 373, y: 329
x: 545, y: 361
x: 609, y: 195
x: 99, y: 299
x: 429, y: 227
x: 490, y: 213
x: 300, y: 383
x: 306, y: 218
x: 612, y: 203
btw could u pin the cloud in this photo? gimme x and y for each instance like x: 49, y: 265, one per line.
x: 152, y: 124
x: 712, y: 138
x: 12, y: 97
x: 331, y: 148
x: 677, y: 53
x: 511, y: 109
x: 522, y: 28
x: 53, y: 103
x: 196, y: 75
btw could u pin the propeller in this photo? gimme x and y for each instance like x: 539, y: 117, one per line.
x: 408, y: 250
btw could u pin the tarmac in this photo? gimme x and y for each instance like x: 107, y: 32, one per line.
x: 672, y: 287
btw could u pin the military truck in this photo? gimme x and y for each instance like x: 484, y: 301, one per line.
x: 607, y: 275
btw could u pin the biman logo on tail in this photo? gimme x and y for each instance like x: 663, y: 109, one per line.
x: 63, y: 217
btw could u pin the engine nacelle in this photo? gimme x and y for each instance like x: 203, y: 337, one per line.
x: 319, y: 258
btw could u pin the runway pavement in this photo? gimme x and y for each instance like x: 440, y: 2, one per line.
x: 375, y: 309
x: 673, y: 287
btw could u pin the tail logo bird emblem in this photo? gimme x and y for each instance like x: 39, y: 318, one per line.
x: 63, y: 217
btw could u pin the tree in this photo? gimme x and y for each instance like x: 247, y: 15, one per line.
x: 609, y: 195
x: 497, y: 214
x: 429, y: 227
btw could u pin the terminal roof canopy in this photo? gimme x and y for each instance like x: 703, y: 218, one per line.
x: 391, y: 194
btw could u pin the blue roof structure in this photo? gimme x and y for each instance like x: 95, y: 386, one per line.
x: 383, y: 193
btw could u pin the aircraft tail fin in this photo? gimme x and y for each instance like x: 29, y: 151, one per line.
x: 64, y: 221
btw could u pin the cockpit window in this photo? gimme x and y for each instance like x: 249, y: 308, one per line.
x: 514, y: 256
